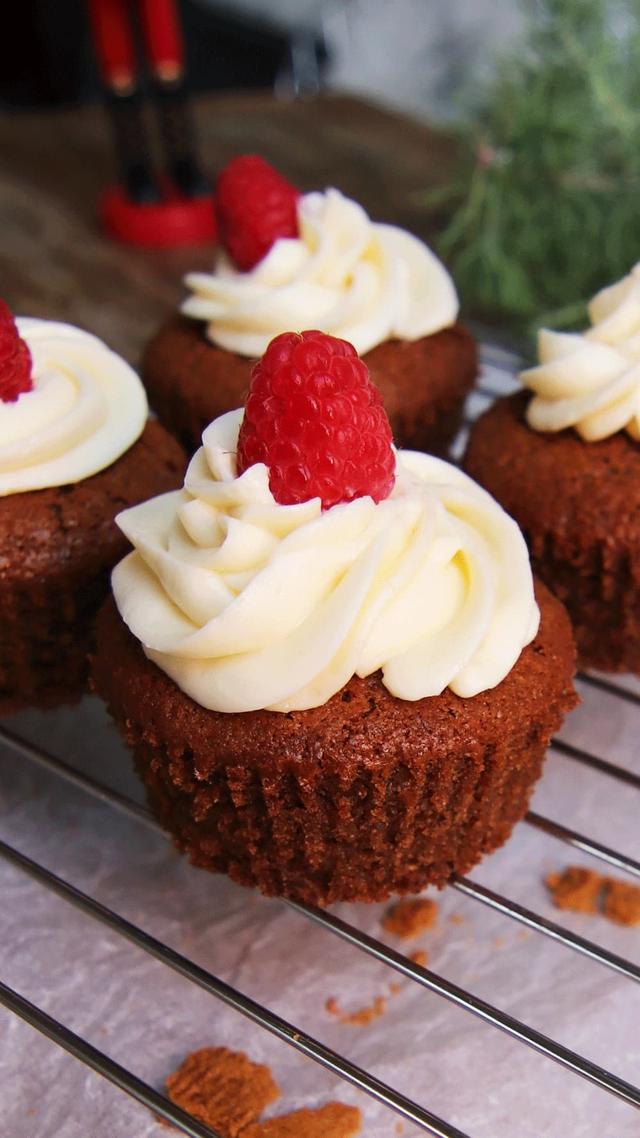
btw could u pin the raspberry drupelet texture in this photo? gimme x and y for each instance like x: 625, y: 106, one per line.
x: 15, y: 359
x: 255, y: 205
x: 316, y: 420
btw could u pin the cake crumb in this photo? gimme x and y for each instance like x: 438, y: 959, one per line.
x: 222, y: 1088
x: 456, y: 919
x: 523, y: 934
x: 621, y: 902
x: 498, y: 942
x: 362, y: 1016
x: 335, y: 1120
x: 410, y: 917
x: 399, y: 1127
x: 584, y: 891
x: 420, y: 958
x: 228, y: 1092
x: 576, y: 888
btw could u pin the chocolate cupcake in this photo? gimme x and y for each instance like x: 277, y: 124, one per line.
x: 75, y: 449
x: 313, y: 261
x: 565, y: 463
x: 327, y: 656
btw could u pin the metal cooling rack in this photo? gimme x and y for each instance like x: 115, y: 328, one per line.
x: 495, y: 361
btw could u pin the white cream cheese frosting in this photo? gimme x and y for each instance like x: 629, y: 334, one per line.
x: 344, y: 274
x: 86, y: 408
x: 591, y: 380
x: 248, y: 604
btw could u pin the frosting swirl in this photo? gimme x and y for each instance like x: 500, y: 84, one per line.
x: 86, y: 408
x: 591, y: 380
x: 344, y: 275
x: 249, y: 604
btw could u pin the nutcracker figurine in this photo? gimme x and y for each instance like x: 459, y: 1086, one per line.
x: 175, y: 206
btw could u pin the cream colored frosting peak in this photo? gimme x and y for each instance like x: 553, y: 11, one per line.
x: 345, y: 275
x: 591, y: 380
x: 86, y: 408
x: 249, y: 604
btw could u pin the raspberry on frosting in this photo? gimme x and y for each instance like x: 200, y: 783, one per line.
x: 255, y: 205
x: 15, y: 359
x: 316, y: 420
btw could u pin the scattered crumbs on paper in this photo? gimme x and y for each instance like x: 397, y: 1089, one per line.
x: 399, y: 1127
x: 524, y: 934
x: 362, y: 1016
x: 228, y: 1092
x: 621, y: 902
x: 498, y: 942
x: 410, y: 917
x: 584, y: 891
x: 456, y: 919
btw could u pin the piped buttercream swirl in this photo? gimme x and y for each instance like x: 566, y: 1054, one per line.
x: 591, y: 380
x: 344, y: 274
x: 249, y: 604
x: 86, y: 408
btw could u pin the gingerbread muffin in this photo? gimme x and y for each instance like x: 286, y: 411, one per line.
x: 565, y: 463
x: 312, y: 260
x: 326, y: 655
x: 75, y: 449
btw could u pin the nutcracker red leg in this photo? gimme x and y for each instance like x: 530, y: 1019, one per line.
x: 115, y: 50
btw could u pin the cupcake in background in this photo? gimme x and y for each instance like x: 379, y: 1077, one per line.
x: 75, y: 449
x: 294, y: 261
x: 328, y: 656
x: 563, y: 457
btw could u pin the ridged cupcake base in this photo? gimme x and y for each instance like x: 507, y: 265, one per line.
x: 578, y: 504
x: 57, y: 549
x: 321, y: 838
x: 597, y: 587
x: 45, y: 637
x: 365, y: 796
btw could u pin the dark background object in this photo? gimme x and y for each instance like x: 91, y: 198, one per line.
x: 46, y: 57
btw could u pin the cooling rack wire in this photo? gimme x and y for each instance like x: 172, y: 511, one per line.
x: 496, y: 365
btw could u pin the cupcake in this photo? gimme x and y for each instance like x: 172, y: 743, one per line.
x: 75, y: 449
x: 327, y: 656
x: 312, y: 260
x: 563, y: 458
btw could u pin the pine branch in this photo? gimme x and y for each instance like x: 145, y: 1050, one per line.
x: 548, y: 194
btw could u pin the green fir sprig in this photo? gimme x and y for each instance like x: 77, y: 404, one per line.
x: 548, y: 196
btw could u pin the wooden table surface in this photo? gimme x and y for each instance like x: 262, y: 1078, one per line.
x: 55, y: 263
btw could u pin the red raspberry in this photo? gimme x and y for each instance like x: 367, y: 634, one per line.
x: 15, y: 359
x: 317, y: 421
x: 255, y: 205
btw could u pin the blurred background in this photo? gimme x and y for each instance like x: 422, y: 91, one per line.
x: 533, y: 203
x: 415, y: 55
